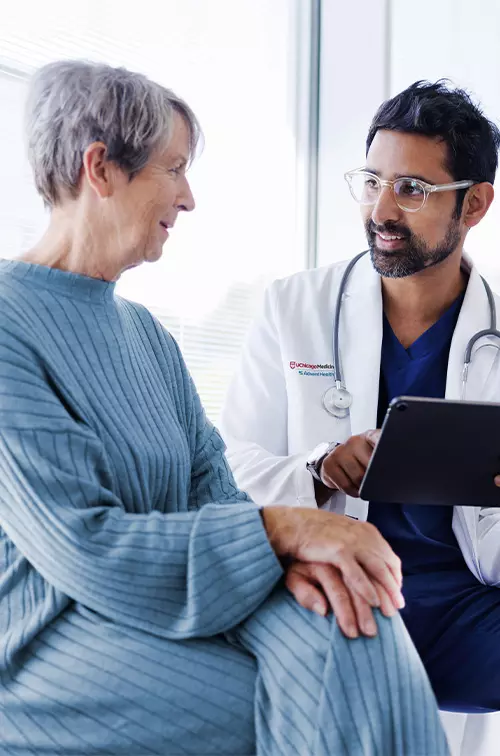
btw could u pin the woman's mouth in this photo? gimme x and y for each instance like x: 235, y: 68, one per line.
x: 165, y: 226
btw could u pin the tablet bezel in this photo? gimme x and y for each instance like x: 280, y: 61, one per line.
x: 458, y: 444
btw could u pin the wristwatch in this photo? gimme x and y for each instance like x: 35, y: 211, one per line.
x: 317, y: 456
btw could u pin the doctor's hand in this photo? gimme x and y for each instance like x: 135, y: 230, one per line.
x: 362, y: 557
x: 320, y: 588
x: 345, y: 466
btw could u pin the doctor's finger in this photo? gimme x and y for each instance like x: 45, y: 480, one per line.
x: 354, y: 470
x: 372, y: 436
x: 378, y: 569
x: 363, y: 451
x: 305, y: 592
x: 336, y: 477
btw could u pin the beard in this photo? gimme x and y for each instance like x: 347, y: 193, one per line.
x: 415, y: 254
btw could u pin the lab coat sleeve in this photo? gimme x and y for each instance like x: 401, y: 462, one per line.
x: 254, y: 420
x: 487, y: 538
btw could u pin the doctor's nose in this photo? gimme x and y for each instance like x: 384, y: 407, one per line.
x: 386, y: 208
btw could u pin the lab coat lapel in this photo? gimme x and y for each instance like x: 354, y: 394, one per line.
x: 474, y: 316
x: 360, y: 348
x: 361, y: 343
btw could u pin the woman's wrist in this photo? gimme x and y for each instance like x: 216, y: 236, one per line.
x: 282, y: 527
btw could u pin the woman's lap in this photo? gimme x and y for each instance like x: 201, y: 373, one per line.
x: 284, y: 682
x: 88, y: 687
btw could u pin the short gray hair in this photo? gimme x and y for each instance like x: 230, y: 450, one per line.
x: 72, y: 104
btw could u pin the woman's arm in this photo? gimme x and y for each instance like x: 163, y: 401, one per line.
x: 177, y: 575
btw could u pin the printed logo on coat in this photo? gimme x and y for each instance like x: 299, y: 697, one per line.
x: 323, y: 370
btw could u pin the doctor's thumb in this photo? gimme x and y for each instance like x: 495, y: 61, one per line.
x: 372, y: 436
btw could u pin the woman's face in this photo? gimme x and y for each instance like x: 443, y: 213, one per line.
x: 139, y: 213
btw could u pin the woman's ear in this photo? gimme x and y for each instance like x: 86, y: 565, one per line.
x: 477, y: 202
x: 98, y: 170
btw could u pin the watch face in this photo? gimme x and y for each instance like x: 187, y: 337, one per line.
x: 318, y: 452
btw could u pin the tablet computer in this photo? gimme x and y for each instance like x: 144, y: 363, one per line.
x: 436, y: 451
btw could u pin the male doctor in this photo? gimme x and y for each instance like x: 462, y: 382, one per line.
x: 407, y: 312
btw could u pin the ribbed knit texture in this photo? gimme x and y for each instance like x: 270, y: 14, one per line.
x: 115, y: 494
x: 126, y: 551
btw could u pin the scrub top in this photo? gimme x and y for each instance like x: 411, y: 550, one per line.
x: 421, y: 536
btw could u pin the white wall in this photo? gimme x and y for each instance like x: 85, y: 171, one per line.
x: 461, y: 41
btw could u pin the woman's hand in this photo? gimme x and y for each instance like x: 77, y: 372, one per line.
x: 320, y: 588
x: 362, y: 559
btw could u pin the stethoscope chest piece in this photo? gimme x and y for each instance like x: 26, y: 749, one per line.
x: 336, y: 401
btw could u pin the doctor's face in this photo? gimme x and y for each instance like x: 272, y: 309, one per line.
x: 403, y: 243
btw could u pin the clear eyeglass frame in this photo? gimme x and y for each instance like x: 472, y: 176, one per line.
x: 425, y: 188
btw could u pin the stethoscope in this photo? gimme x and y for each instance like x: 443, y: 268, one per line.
x: 337, y: 399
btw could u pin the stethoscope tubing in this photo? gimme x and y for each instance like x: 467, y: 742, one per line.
x: 340, y: 392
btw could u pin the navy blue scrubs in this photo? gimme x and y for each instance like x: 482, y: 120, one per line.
x: 453, y: 619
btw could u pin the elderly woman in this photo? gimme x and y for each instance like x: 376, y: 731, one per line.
x: 141, y: 605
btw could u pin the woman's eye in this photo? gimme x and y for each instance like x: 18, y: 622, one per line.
x: 177, y: 170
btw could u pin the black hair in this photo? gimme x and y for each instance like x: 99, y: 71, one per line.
x: 449, y: 114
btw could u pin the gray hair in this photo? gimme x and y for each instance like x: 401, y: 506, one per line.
x: 72, y: 104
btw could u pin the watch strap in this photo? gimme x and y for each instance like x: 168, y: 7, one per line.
x: 315, y: 467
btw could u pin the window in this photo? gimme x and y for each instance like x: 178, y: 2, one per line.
x: 242, y: 67
x: 21, y: 210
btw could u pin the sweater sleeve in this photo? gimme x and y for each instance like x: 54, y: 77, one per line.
x: 211, y: 476
x: 178, y: 575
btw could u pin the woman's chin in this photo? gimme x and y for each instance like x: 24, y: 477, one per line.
x: 153, y: 255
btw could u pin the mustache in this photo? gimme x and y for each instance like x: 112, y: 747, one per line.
x: 388, y: 228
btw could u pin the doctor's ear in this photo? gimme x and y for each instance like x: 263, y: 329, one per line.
x: 477, y: 202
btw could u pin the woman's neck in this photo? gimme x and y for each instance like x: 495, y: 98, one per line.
x: 66, y: 246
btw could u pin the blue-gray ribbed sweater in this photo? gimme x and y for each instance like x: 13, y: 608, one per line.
x: 116, y: 501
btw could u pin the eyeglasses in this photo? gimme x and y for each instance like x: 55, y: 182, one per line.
x: 410, y: 194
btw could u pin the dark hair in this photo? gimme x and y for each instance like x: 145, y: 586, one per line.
x: 443, y: 112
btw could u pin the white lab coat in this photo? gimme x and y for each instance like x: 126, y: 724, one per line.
x: 273, y: 415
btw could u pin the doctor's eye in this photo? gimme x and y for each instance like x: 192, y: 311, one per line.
x: 409, y: 188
